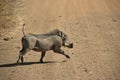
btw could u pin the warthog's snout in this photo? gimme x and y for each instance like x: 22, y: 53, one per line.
x: 70, y: 45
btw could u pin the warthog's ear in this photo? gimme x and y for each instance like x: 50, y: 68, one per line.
x: 60, y: 33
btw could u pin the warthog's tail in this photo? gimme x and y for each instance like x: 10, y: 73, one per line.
x: 23, y: 29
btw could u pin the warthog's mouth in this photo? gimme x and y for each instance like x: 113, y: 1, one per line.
x: 70, y: 45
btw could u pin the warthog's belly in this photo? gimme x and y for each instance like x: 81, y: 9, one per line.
x: 41, y: 49
x: 36, y: 49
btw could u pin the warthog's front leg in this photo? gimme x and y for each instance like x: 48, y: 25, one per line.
x: 42, y: 56
x: 60, y: 51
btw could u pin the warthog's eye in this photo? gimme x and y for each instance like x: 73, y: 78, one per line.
x: 65, y: 35
x: 64, y: 38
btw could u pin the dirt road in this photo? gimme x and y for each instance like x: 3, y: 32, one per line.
x: 92, y: 25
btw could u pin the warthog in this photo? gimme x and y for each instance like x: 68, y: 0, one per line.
x: 44, y: 42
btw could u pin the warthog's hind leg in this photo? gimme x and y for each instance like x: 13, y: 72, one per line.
x: 21, y: 54
x: 42, y: 56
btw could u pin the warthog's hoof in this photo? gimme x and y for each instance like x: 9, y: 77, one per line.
x: 67, y: 56
x: 41, y: 61
x: 17, y: 63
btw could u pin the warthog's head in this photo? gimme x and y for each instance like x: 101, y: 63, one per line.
x: 65, y: 40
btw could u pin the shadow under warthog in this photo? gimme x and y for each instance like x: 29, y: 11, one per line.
x: 26, y: 63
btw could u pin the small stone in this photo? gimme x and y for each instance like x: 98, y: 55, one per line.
x: 114, y: 20
x: 11, y: 37
x: 85, y: 35
x: 6, y: 39
x: 13, y: 71
x: 86, y: 70
x: 64, y: 61
x: 98, y: 25
x: 77, y: 23
x: 95, y: 35
x: 60, y: 16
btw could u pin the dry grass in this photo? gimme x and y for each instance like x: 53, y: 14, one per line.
x: 10, y: 16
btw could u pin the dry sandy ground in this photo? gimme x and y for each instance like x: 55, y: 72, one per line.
x: 92, y: 25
